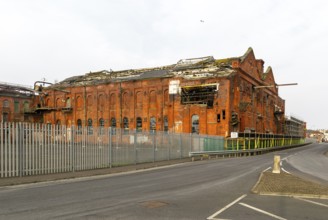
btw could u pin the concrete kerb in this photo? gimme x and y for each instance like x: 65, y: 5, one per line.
x: 270, y: 184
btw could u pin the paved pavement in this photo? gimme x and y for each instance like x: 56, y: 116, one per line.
x: 87, y: 173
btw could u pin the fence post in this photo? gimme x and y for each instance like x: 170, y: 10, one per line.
x: 135, y: 147
x: 20, y: 148
x: 72, y: 148
x: 154, y: 145
x: 190, y: 143
x: 110, y: 152
x: 180, y: 145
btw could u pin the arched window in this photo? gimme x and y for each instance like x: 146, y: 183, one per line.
x: 139, y: 124
x: 79, y: 102
x: 101, y: 122
x: 79, y: 126
x: 101, y: 126
x: 89, y: 100
x: 26, y: 106
x: 126, y: 125
x: 152, y: 124
x: 68, y: 103
x: 5, y: 117
x: 126, y: 100
x: 6, y: 103
x: 112, y: 100
x: 101, y: 102
x: 57, y: 127
x: 90, y: 128
x: 58, y: 102
x: 139, y: 100
x: 195, y: 124
x: 152, y: 99
x: 166, y: 97
x: 166, y: 124
x: 113, y: 125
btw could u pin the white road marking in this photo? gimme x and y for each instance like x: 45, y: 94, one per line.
x: 266, y: 169
x: 262, y: 211
x: 317, y: 203
x: 226, y: 207
x: 285, y: 170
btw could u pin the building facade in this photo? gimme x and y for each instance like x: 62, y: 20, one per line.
x: 16, y: 102
x: 295, y: 127
x: 200, y: 95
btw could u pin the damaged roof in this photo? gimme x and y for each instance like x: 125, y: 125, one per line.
x: 15, y: 90
x: 194, y: 68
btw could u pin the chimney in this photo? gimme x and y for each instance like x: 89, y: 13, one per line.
x: 260, y: 65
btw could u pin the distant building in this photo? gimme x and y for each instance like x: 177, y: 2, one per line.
x: 15, y: 103
x: 200, y: 95
x: 295, y: 126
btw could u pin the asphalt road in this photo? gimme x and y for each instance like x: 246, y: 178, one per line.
x: 212, y: 189
x: 312, y: 161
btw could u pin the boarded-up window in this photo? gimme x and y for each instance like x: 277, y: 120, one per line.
x: 101, y: 101
x: 79, y: 102
x: 125, y: 100
x: 112, y: 100
x: 152, y: 99
x: 166, y: 97
x: 6, y: 104
x: 89, y: 100
x: 139, y: 100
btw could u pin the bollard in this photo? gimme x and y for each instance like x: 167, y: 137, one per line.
x: 276, y: 164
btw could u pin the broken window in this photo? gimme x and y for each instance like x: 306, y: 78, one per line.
x: 79, y: 126
x: 113, y: 125
x: 101, y: 126
x: 6, y: 103
x: 5, y: 117
x: 16, y: 106
x: 195, y: 124
x: 152, y: 124
x: 26, y: 106
x: 200, y: 94
x: 126, y: 125
x: 166, y: 124
x: 90, y: 128
x: 139, y: 124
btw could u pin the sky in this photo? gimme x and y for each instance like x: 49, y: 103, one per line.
x: 55, y: 39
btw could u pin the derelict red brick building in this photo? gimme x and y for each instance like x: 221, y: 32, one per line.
x: 202, y: 95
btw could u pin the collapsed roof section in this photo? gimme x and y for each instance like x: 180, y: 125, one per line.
x: 194, y: 68
x: 15, y: 90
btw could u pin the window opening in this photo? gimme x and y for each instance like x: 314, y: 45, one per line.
x: 126, y: 125
x: 113, y: 125
x: 223, y: 114
x: 139, y: 124
x: 101, y: 126
x: 16, y: 107
x: 166, y: 124
x: 201, y: 94
x: 26, y: 106
x: 6, y: 104
x: 90, y: 129
x: 195, y: 124
x: 5, y: 117
x: 79, y: 126
x: 152, y: 124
